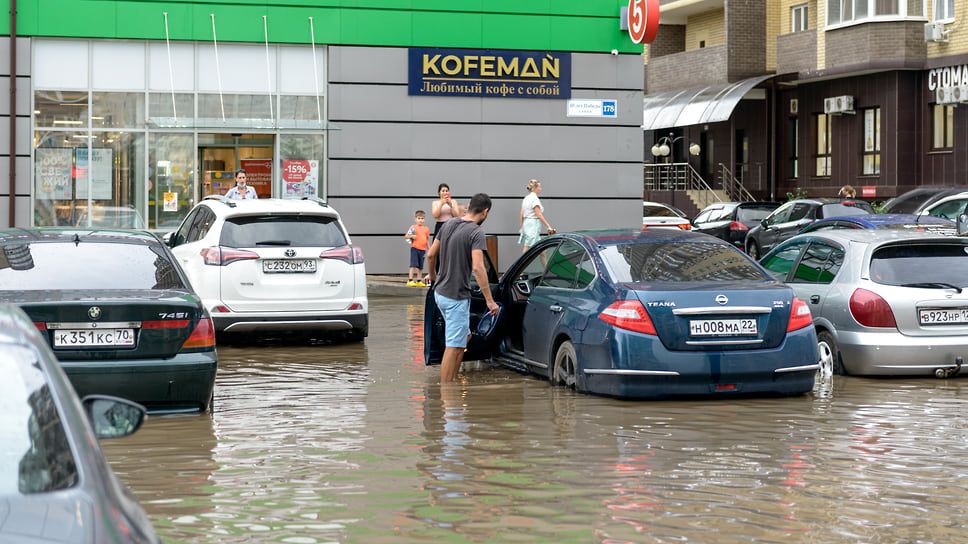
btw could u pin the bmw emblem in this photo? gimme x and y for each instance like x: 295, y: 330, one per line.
x: 290, y: 252
x: 721, y: 299
x: 94, y: 312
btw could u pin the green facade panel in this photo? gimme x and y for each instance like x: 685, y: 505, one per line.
x: 566, y: 25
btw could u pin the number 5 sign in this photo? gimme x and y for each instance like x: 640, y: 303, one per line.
x: 643, y: 20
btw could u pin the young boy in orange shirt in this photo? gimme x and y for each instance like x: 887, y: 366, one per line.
x: 417, y: 237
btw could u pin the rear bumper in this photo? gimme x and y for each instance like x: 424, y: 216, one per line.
x: 281, y: 322
x: 183, y: 383
x: 894, y: 354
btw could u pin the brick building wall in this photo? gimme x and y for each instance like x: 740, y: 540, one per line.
x: 708, y: 28
x: 686, y: 69
x: 895, y: 42
x: 745, y: 39
x: 796, y: 52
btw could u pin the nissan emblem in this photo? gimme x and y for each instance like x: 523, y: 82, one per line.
x: 721, y: 299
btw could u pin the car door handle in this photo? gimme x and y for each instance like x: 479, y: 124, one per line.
x: 814, y: 299
x: 555, y: 308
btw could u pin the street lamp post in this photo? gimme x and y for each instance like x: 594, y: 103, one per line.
x: 664, y: 147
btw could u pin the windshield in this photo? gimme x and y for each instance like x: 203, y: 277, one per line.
x: 679, y: 262
x: 282, y: 230
x: 921, y: 263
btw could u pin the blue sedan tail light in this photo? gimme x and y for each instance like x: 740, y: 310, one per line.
x: 629, y: 315
x: 800, y: 316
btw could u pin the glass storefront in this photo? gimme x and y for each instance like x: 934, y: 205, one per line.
x: 128, y: 145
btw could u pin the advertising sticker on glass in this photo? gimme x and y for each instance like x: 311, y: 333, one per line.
x: 54, y: 173
x: 489, y: 73
x: 299, y: 178
x: 99, y: 171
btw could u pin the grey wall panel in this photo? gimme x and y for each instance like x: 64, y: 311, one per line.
x: 23, y: 55
x: 367, y: 64
x: 590, y: 70
x: 23, y: 172
x: 500, y: 178
x: 486, y: 142
x: 23, y: 96
x: 22, y: 211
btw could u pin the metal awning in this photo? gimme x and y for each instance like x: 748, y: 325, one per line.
x: 695, y: 105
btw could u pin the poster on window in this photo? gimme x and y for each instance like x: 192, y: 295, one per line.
x: 300, y: 178
x: 53, y: 173
x: 99, y: 170
x: 258, y: 174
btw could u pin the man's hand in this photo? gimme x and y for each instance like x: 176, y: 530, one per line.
x: 492, y: 307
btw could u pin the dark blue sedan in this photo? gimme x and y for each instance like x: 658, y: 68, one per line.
x: 905, y: 221
x: 644, y: 314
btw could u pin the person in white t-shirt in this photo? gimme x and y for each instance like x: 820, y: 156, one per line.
x: 532, y: 216
x: 241, y: 190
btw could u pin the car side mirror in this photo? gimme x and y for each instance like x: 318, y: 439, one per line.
x: 764, y: 224
x: 168, y: 239
x: 113, y: 417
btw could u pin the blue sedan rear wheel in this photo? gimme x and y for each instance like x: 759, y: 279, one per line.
x: 565, y: 371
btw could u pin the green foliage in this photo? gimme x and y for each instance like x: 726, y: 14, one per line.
x: 878, y: 206
x: 800, y: 193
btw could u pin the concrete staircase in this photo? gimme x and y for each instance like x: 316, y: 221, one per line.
x: 700, y: 198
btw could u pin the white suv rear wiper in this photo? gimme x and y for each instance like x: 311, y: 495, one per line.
x: 274, y: 243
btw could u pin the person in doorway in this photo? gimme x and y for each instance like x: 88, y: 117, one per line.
x: 241, y: 190
x: 417, y: 237
x: 532, y: 217
x: 847, y: 192
x: 444, y: 208
x: 459, y: 246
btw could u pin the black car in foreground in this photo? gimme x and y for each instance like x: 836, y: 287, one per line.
x: 790, y: 218
x: 118, y: 312
x: 56, y: 487
x: 731, y: 221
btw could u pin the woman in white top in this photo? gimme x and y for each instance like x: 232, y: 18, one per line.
x: 532, y: 216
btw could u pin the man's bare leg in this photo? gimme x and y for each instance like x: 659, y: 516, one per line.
x: 450, y: 363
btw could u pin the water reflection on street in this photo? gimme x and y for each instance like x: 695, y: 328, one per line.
x: 361, y: 443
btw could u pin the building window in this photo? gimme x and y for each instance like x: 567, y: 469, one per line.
x: 853, y: 11
x: 943, y: 127
x: 944, y: 10
x: 793, y: 138
x: 799, y: 18
x: 872, y: 141
x: 822, y: 144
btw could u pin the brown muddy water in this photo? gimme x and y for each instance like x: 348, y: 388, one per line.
x: 360, y: 444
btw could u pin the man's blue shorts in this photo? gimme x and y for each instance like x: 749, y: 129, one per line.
x: 417, y: 257
x: 457, y: 320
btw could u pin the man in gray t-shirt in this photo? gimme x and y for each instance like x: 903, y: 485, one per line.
x: 460, y: 246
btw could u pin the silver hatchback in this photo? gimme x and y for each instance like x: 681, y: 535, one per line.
x: 884, y: 302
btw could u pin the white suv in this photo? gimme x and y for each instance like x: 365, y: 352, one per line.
x: 274, y: 266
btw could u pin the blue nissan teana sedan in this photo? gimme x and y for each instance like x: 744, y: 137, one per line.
x: 643, y: 314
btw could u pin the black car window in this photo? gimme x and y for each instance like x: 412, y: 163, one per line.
x: 781, y: 261
x: 923, y: 263
x: 491, y: 273
x: 853, y: 207
x: 534, y: 268
x: 819, y: 264
x: 179, y: 236
x: 704, y: 217
x: 586, y: 272
x: 286, y: 230
x: 66, y: 265
x: 201, y: 225
x: 780, y: 215
x: 679, y: 262
x: 950, y: 209
x: 562, y: 270
x: 36, y: 456
x: 752, y: 215
x: 800, y: 211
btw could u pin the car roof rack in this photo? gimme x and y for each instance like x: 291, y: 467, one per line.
x: 221, y: 198
x: 317, y: 200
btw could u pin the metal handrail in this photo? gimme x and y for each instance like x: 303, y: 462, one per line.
x: 734, y: 188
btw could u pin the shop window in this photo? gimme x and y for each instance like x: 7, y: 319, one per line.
x: 234, y: 110
x: 118, y: 110
x: 301, y: 111
x: 172, y: 187
x: 302, y: 158
x: 799, y: 18
x: 872, y: 141
x: 822, y: 145
x: 166, y: 110
x: 793, y: 141
x: 853, y: 11
x: 943, y: 127
x: 944, y: 10
x: 61, y: 109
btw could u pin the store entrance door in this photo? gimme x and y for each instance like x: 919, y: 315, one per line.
x: 220, y: 155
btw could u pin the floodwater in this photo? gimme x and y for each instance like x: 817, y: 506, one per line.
x: 360, y: 443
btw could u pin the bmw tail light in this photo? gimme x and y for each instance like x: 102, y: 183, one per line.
x: 736, y: 226
x: 800, y: 316
x: 870, y: 309
x: 221, y: 256
x: 203, y: 336
x: 629, y: 315
x: 349, y: 254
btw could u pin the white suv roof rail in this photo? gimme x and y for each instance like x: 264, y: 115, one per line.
x: 221, y: 198
x: 317, y: 200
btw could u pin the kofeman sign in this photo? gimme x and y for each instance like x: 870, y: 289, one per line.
x: 490, y: 73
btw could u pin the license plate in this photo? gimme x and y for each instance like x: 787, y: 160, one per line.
x: 93, y: 338
x: 722, y: 327
x: 943, y: 316
x: 274, y: 266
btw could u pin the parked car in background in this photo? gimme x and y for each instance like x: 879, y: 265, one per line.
x: 790, y: 218
x: 274, y: 266
x: 643, y: 314
x: 657, y: 214
x: 947, y: 205
x: 55, y: 484
x: 885, y: 302
x: 731, y: 221
x: 111, y: 217
x: 902, y: 221
x: 910, y: 201
x: 117, y: 311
